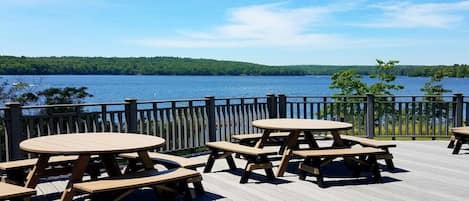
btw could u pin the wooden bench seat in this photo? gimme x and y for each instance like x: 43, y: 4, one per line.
x: 366, y: 142
x: 17, y: 170
x: 148, y: 178
x: 167, y: 160
x: 29, y: 163
x: 314, y: 160
x: 337, y: 152
x: 257, y: 158
x: 170, y: 161
x: 241, y: 149
x: 13, y: 192
x: 257, y: 136
x: 275, y: 139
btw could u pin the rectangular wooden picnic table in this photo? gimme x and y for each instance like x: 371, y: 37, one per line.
x: 106, y: 145
x: 295, y: 127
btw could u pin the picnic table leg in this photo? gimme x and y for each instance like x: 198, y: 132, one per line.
x: 198, y: 187
x: 338, y: 142
x: 36, y: 173
x: 211, y: 160
x: 375, y: 169
x: 148, y: 165
x: 452, y: 140
x: 264, y: 138
x: 388, y: 161
x: 131, y: 166
x: 79, y: 168
x: 146, y: 160
x: 310, y: 140
x: 110, y: 164
x: 291, y: 143
x: 458, y: 145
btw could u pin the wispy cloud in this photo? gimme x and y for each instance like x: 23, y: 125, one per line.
x: 398, y: 14
x: 278, y: 25
x: 259, y: 25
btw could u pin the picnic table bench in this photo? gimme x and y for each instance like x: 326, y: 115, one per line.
x: 349, y: 141
x: 167, y: 160
x: 315, y: 159
x: 14, y: 192
x: 276, y: 138
x: 149, y: 178
x: 256, y: 158
x: 16, y: 171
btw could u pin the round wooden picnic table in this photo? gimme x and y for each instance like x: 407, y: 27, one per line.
x: 91, y: 143
x: 106, y: 145
x: 295, y: 127
x: 301, y: 124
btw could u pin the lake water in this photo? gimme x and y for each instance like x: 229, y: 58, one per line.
x: 110, y: 88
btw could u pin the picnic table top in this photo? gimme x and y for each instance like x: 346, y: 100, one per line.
x: 91, y: 143
x: 301, y: 124
x: 461, y: 130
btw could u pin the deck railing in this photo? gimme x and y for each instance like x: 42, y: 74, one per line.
x: 190, y: 123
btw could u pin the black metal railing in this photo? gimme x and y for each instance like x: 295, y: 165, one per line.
x: 190, y: 123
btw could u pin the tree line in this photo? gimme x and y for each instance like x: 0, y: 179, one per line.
x: 12, y: 65
x: 455, y: 70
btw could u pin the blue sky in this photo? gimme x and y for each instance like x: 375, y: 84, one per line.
x: 259, y: 31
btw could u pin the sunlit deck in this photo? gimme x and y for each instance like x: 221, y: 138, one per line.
x: 426, y: 170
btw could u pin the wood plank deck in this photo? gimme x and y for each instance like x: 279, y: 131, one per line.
x: 426, y: 170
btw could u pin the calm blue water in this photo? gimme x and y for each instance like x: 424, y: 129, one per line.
x: 117, y: 88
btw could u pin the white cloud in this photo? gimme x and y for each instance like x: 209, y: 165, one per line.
x: 411, y: 15
x: 277, y: 25
x: 259, y: 25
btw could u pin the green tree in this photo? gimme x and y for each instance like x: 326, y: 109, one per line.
x: 434, y: 91
x: 349, y: 82
x: 23, y: 93
x: 434, y: 87
x: 67, y: 95
x: 386, y: 76
x: 16, y: 92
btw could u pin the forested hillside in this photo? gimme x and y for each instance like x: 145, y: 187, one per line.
x: 136, y: 66
x: 10, y: 65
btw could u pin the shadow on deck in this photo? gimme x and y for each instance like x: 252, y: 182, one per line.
x: 425, y: 170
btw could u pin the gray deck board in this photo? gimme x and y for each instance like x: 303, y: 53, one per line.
x: 426, y: 171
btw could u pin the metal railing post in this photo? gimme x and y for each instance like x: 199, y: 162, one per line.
x: 370, y: 116
x: 131, y: 114
x: 210, y: 107
x: 272, y: 105
x: 458, y: 114
x: 14, y: 131
x: 282, y: 105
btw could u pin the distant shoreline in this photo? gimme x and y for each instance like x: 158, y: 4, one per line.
x: 12, y: 65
